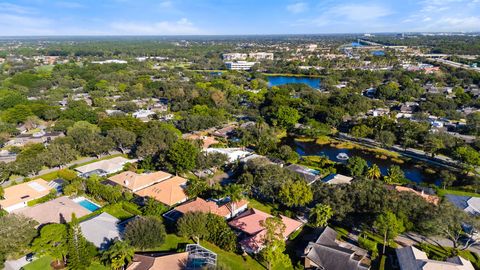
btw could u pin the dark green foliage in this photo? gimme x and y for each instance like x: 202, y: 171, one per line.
x: 145, y: 232
x: 183, y: 156
x: 210, y: 227
x: 16, y: 232
x: 79, y: 250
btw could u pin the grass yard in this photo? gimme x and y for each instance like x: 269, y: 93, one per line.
x: 174, y: 243
x: 39, y: 264
x: 117, y: 211
x: 267, y: 208
x: 43, y: 263
x: 443, y: 192
x: 232, y: 260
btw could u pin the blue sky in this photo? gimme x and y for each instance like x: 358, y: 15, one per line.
x: 216, y: 17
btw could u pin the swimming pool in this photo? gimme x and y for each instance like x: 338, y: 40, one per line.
x: 88, y: 205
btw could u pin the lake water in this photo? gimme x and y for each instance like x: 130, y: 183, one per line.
x: 412, y: 172
x: 282, y: 80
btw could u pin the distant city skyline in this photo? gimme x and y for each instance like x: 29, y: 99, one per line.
x: 234, y: 17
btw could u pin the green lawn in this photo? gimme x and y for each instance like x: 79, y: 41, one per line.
x: 117, y: 211
x: 39, y: 264
x: 232, y: 260
x: 174, y: 243
x: 267, y: 208
x: 43, y: 263
x: 443, y: 192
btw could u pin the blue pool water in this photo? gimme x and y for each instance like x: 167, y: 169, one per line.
x: 378, y: 53
x: 281, y: 80
x: 88, y: 205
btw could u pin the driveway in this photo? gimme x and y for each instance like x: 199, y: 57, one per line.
x: 16, y: 264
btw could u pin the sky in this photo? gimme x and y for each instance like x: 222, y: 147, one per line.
x: 234, y: 17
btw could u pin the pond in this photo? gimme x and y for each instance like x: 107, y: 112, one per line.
x: 412, y: 172
x: 282, y: 80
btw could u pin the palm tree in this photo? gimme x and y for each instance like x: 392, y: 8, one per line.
x: 118, y: 255
x: 374, y: 172
x: 235, y: 193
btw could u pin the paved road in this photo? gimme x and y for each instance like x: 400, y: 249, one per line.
x: 42, y: 172
x: 413, y: 238
x: 418, y: 154
x: 16, y: 264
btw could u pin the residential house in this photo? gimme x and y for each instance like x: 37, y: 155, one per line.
x: 143, y: 115
x: 233, y: 154
x: 223, y: 208
x: 329, y: 253
x: 224, y: 132
x: 172, y: 261
x: 104, y: 167
x: 135, y: 182
x: 58, y: 210
x: 309, y: 175
x: 39, y: 137
x: 336, y: 179
x: 207, y: 141
x: 101, y: 230
x: 16, y: 197
x: 427, y: 197
x: 468, y: 204
x: 249, y: 224
x: 411, y: 258
x: 169, y: 192
x: 194, y: 257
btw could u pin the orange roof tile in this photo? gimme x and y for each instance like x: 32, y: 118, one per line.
x: 25, y: 192
x: 169, y: 192
x: 134, y: 181
x: 200, y: 205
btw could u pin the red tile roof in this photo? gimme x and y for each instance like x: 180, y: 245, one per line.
x: 250, y: 223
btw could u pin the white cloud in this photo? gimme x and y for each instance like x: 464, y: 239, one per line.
x: 348, y: 18
x: 446, y: 15
x: 359, y: 12
x: 12, y: 8
x: 66, y: 4
x: 166, y: 4
x: 297, y: 7
x: 16, y: 25
x: 180, y: 27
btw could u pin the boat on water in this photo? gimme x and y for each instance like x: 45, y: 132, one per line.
x: 342, y: 156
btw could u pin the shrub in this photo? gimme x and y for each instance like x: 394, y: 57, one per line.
x: 145, y: 232
x: 369, y: 245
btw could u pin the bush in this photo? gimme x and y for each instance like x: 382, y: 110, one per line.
x: 145, y: 232
x: 369, y: 245
x: 51, y: 195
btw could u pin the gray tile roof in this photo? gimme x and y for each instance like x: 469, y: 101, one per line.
x: 101, y: 230
x: 470, y: 205
x: 327, y: 253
